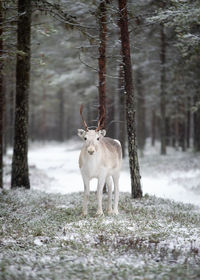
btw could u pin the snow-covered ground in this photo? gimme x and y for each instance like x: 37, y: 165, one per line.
x: 54, y: 168
x: 44, y: 236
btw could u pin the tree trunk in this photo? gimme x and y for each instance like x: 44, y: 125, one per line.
x: 61, y: 115
x: 20, y: 172
x: 136, y: 190
x: 196, y: 122
x: 10, y: 117
x: 1, y: 96
x: 153, y: 127
x: 102, y: 65
x: 102, y: 62
x: 176, y: 129
x: 162, y: 91
x: 141, y: 129
x: 122, y: 115
x: 188, y: 122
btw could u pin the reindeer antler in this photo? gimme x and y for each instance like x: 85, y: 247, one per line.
x: 84, y: 122
x: 100, y: 125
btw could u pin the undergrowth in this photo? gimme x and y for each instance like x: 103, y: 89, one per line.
x: 44, y: 236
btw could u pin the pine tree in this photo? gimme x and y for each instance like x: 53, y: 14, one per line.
x: 102, y: 61
x: 163, y: 91
x: 1, y: 95
x: 130, y: 101
x: 20, y: 172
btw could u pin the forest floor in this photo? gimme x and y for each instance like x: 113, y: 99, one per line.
x: 44, y: 236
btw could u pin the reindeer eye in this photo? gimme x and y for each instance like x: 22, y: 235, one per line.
x: 85, y: 138
x: 98, y: 138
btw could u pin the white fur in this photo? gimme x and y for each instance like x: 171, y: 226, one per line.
x: 100, y: 158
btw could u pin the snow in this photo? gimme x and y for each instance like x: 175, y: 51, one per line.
x: 54, y: 169
x: 44, y: 232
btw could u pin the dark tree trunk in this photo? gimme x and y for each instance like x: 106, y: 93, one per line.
x: 102, y: 65
x: 182, y: 129
x: 43, y: 121
x: 182, y: 124
x: 188, y: 122
x: 141, y: 129
x: 196, y: 122
x: 176, y: 130
x: 162, y: 91
x: 102, y: 62
x: 61, y: 115
x: 136, y: 190
x: 10, y: 117
x: 153, y: 127
x: 20, y: 172
x: 1, y: 96
x: 168, y: 131
x: 122, y: 115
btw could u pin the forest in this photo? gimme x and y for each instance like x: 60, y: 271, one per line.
x: 75, y: 57
x: 129, y: 67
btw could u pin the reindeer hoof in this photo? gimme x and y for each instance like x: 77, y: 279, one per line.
x: 110, y: 211
x: 83, y: 214
x: 115, y: 212
x: 99, y: 214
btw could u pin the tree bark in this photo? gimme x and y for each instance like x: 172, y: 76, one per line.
x: 102, y: 62
x: 20, y: 172
x: 136, y: 190
x: 153, y: 127
x: 102, y: 66
x: 122, y: 115
x: 162, y: 91
x: 61, y: 115
x: 188, y: 122
x: 1, y: 95
x: 196, y: 121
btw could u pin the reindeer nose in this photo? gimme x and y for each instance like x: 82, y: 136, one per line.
x: 91, y: 152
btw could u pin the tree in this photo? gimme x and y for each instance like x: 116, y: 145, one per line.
x: 1, y: 95
x: 102, y: 61
x: 61, y: 115
x: 197, y: 122
x: 20, y: 172
x: 181, y: 80
x: 163, y: 91
x: 122, y: 116
x: 130, y: 101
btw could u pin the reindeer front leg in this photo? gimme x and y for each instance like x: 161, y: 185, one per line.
x: 101, y: 182
x: 109, y: 185
x: 116, y: 193
x: 86, y: 196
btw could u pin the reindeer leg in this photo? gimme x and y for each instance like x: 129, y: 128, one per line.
x: 116, y: 193
x: 100, y: 186
x: 86, y: 196
x: 109, y: 205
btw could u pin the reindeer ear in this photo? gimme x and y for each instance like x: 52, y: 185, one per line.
x: 102, y: 132
x: 81, y: 133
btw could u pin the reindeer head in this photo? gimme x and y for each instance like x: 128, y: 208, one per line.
x: 90, y: 136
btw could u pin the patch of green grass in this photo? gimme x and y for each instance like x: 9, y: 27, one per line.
x: 44, y: 236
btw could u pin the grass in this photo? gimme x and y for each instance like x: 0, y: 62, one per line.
x: 44, y: 236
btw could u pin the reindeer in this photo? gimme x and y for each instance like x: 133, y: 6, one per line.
x: 100, y: 158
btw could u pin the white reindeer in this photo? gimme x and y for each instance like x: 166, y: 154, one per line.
x: 100, y: 158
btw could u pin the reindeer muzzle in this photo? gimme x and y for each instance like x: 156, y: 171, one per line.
x: 91, y: 150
